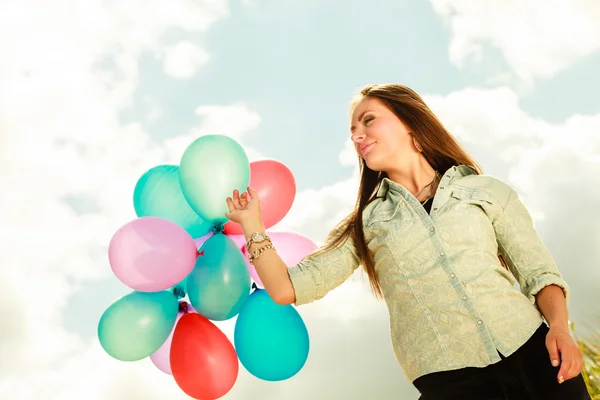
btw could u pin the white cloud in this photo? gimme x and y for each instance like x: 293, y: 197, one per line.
x: 348, y: 157
x: 64, y: 82
x: 183, y: 60
x: 68, y: 72
x: 537, y: 38
x: 235, y: 120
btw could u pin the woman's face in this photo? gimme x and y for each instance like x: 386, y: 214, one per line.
x: 379, y: 136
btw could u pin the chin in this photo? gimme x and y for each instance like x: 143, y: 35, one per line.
x: 377, y: 167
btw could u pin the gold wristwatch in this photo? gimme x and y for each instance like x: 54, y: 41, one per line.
x: 256, y: 237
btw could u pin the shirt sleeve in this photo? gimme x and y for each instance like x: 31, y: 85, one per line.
x: 522, y: 249
x: 323, y: 270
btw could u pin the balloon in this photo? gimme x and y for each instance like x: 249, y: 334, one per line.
x: 203, y: 360
x: 161, y: 357
x: 276, y: 188
x: 291, y: 247
x: 239, y: 240
x: 271, y: 340
x: 210, y: 169
x: 151, y: 253
x: 220, y: 282
x: 136, y: 325
x: 158, y: 194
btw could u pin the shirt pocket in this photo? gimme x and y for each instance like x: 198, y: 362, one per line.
x: 469, y: 215
x: 388, y: 223
x: 465, y: 201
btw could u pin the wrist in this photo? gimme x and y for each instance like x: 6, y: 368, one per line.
x: 250, y: 227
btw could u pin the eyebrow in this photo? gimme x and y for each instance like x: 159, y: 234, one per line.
x: 360, y: 117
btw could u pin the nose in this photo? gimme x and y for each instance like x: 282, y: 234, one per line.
x: 358, y: 137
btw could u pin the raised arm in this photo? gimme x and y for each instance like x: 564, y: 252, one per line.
x: 310, y: 279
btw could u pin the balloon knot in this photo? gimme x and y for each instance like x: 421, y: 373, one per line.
x: 183, y: 307
x: 218, y: 228
x: 179, y: 292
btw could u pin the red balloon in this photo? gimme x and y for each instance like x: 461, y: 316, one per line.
x: 276, y: 188
x: 203, y: 360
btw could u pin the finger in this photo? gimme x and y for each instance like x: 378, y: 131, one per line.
x: 230, y: 205
x: 565, y: 366
x: 236, y: 199
x: 244, y: 199
x: 252, y: 193
x: 552, y: 351
x: 574, y: 370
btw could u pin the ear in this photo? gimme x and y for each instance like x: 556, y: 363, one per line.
x: 417, y: 145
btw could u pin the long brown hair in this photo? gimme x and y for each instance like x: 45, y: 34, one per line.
x: 440, y: 149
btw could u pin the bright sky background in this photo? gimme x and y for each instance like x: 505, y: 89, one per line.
x: 93, y: 93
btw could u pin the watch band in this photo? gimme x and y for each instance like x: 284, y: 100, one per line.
x: 256, y: 237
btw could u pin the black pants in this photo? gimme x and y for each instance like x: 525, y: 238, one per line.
x: 526, y: 374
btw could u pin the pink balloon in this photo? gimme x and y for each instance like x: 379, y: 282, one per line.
x: 291, y: 247
x: 150, y: 254
x: 161, y: 357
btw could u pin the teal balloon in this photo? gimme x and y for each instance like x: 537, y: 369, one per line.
x: 271, y: 339
x: 219, y: 284
x: 158, y: 194
x: 210, y: 169
x: 136, y: 325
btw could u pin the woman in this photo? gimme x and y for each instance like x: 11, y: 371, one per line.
x: 443, y: 244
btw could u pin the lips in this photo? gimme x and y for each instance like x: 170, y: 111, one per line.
x: 366, y: 147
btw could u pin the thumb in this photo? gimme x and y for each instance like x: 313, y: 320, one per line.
x: 253, y: 194
x: 553, y: 352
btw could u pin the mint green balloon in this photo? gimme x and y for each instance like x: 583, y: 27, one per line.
x: 158, y: 194
x: 210, y: 169
x: 136, y: 325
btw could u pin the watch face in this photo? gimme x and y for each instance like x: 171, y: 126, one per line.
x: 259, y: 236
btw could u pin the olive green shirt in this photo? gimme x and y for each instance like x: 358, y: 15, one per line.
x: 451, y: 302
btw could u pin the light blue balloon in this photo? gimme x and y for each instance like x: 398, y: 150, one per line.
x: 219, y: 284
x: 271, y: 340
x: 210, y: 169
x: 158, y: 194
x: 136, y: 325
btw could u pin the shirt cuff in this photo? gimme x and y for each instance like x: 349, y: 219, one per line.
x: 303, y: 283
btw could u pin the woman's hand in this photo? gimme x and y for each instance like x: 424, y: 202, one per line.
x: 559, y: 341
x: 244, y: 208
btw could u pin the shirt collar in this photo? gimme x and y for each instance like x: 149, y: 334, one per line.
x: 452, y: 172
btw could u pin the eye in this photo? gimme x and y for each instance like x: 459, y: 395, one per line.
x: 368, y: 119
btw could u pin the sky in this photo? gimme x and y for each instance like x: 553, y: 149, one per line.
x: 94, y: 93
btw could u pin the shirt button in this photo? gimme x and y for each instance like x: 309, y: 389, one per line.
x: 435, y: 209
x: 432, y: 229
x: 441, y: 187
x: 442, y: 254
x: 464, y: 297
x: 480, y: 322
x: 452, y: 275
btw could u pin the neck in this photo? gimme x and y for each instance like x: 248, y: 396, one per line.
x: 414, y: 177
